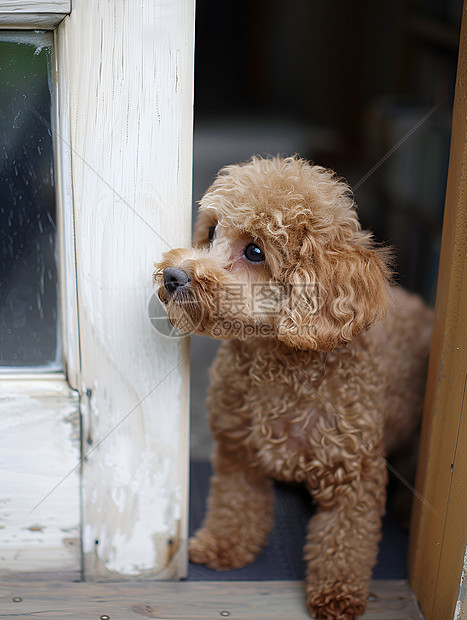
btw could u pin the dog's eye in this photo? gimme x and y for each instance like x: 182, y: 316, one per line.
x: 253, y: 253
x: 212, y: 230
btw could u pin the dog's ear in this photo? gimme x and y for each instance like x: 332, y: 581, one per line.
x: 204, y: 229
x: 336, y: 294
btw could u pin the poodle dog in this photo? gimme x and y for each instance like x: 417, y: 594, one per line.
x: 320, y: 374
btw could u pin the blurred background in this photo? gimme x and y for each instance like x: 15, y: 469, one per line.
x: 347, y: 85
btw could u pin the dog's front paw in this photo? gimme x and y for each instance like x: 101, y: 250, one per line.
x: 335, y: 602
x: 219, y: 554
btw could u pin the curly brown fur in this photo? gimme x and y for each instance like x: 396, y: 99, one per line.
x: 320, y: 374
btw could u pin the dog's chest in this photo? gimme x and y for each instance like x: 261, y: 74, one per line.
x: 281, y: 430
x: 285, y: 411
x: 273, y: 402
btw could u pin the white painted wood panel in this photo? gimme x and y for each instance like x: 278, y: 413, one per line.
x: 35, y: 6
x: 30, y: 21
x: 32, y: 14
x: 129, y: 71
x: 66, y: 225
x: 39, y: 449
x: 460, y: 612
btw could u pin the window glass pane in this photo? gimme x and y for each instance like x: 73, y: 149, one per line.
x: 29, y: 329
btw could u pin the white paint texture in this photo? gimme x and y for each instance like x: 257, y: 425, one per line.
x: 66, y: 224
x: 35, y: 6
x: 460, y: 612
x: 39, y: 447
x: 129, y: 70
x: 33, y: 14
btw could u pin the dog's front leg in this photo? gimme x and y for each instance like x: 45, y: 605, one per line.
x: 342, y: 540
x: 239, y: 515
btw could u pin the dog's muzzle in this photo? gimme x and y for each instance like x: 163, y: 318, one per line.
x: 175, y: 279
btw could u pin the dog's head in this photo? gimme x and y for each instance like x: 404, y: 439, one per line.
x: 278, y: 253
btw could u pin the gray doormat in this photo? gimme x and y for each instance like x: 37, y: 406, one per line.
x: 282, y: 557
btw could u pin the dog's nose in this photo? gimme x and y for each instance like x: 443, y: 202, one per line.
x: 175, y: 278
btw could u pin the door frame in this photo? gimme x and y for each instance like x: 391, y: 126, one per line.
x: 437, y: 558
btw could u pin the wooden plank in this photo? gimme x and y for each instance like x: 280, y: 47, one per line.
x: 35, y: 6
x: 39, y: 448
x: 30, y: 21
x: 439, y: 536
x: 31, y: 14
x: 451, y: 580
x: 129, y: 70
x: 66, y: 221
x: 263, y: 600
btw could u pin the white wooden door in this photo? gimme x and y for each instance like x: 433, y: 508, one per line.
x: 123, y: 137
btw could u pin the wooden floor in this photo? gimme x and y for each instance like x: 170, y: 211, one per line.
x: 193, y: 600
